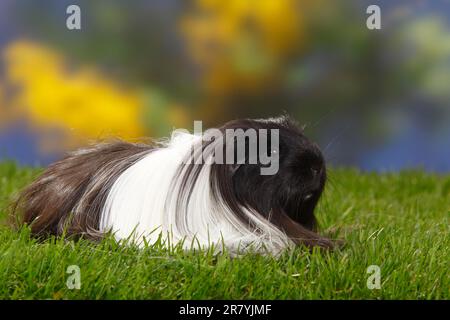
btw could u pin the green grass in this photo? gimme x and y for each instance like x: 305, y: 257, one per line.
x: 399, y: 222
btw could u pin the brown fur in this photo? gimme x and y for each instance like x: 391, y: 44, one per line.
x: 51, y: 204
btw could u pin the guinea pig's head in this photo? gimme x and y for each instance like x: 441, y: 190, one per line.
x: 298, y: 181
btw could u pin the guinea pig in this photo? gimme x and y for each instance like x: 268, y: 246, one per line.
x: 252, y: 184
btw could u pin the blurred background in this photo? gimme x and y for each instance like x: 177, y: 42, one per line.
x: 374, y: 99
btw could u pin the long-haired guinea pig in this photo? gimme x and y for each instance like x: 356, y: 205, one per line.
x: 248, y: 184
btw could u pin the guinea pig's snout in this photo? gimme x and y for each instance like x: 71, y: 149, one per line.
x: 315, y: 185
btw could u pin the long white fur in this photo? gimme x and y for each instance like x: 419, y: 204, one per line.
x: 142, y: 204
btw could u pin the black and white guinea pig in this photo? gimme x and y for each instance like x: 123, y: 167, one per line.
x: 181, y: 191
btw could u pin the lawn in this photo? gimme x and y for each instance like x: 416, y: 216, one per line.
x: 398, y: 221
